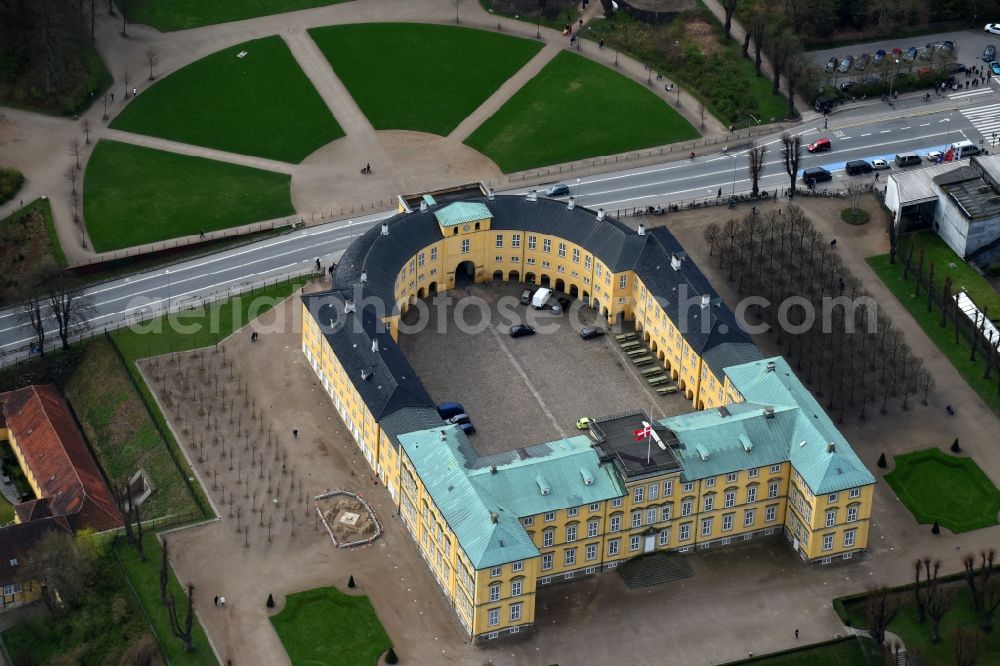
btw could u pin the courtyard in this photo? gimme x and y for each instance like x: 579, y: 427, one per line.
x: 530, y: 390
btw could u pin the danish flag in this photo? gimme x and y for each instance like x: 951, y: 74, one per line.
x: 643, y: 432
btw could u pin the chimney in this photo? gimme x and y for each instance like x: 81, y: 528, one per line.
x: 423, y: 206
x: 374, y: 345
x: 675, y: 262
x: 571, y: 204
x: 600, y: 214
x: 349, y: 305
x: 494, y: 517
x: 365, y: 374
x: 364, y: 277
x: 769, y: 367
x: 444, y: 435
x: 769, y: 412
x: 490, y: 195
x: 493, y: 469
x: 642, y: 230
x: 830, y: 447
x: 531, y: 195
x: 706, y: 300
x: 385, y: 228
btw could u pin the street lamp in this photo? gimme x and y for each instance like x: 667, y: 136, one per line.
x: 579, y: 192
x: 166, y: 272
x: 734, y: 176
x: 893, y: 79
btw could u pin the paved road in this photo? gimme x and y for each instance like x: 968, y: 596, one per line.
x: 874, y: 131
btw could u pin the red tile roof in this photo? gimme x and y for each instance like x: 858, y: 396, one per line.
x: 57, y: 456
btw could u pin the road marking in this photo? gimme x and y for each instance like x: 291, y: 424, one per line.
x: 867, y: 134
x: 527, y: 382
x: 884, y: 131
x: 971, y: 93
x: 925, y: 124
x: 986, y: 119
x: 904, y: 128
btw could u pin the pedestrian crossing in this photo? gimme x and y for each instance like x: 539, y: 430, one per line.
x: 971, y: 93
x: 986, y: 119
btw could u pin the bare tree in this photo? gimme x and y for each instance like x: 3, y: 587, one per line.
x: 966, y: 647
x: 711, y: 235
x: 938, y: 603
x: 701, y: 113
x: 791, y: 154
x: 151, y: 60
x: 882, y: 610
x: 69, y: 306
x: 64, y: 565
x: 125, y: 7
x: 71, y: 174
x: 75, y: 148
x: 125, y: 78
x: 922, y: 594
x: 184, y: 633
x: 758, y: 27
x: 164, y: 573
x: 132, y: 522
x: 755, y: 162
x: 978, y: 580
x: 728, y: 8
x: 854, y: 191
x: 34, y: 309
x: 85, y: 126
x: 458, y: 3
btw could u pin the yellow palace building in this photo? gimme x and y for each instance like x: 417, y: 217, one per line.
x: 757, y: 457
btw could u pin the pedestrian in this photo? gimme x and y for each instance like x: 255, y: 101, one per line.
x: 135, y: 91
x: 201, y: 233
x: 825, y: 122
x: 317, y: 263
x: 295, y: 434
x: 581, y: 23
x: 718, y: 194
x: 222, y: 601
x: 876, y: 176
x: 600, y: 44
x: 112, y: 97
x: 796, y: 634
x: 368, y: 168
x: 833, y: 243
x: 216, y: 600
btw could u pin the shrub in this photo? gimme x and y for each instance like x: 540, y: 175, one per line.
x: 270, y: 601
x: 881, y: 461
x: 936, y: 529
x: 11, y: 181
x: 856, y: 217
x: 390, y: 657
x: 955, y: 448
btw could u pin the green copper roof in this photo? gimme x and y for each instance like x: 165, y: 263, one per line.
x: 462, y: 212
x: 817, y: 449
x: 483, y: 498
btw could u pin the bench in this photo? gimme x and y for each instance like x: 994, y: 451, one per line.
x: 648, y: 372
x: 631, y: 345
x: 657, y: 381
x: 638, y: 351
x: 625, y: 337
x: 643, y: 360
x: 664, y: 390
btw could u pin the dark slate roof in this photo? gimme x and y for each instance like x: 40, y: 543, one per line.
x: 17, y: 542
x: 712, y: 332
x: 410, y: 419
x: 384, y: 378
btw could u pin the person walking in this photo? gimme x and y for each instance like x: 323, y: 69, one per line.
x: 796, y: 634
x: 877, y: 174
x: 216, y: 600
x: 295, y: 434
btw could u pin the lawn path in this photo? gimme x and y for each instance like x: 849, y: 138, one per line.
x: 504, y: 93
x: 198, y: 151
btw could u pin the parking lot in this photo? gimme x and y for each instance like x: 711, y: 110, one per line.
x: 529, y: 390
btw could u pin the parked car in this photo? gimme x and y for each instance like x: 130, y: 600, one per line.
x: 956, y: 68
x: 525, y: 297
x: 947, y: 46
x: 448, y: 409
x: 521, y: 330
x: 993, y: 28
x: 559, y: 190
x: 879, y: 57
x: 814, y: 175
x: 846, y: 86
x: 845, y: 64
x: 926, y: 53
x: 990, y: 54
x: 458, y: 419
x: 995, y: 67
x: 589, y: 332
x: 896, y: 52
x: 934, y: 156
x: 862, y: 62
x: 911, y: 54
x: 820, y: 146
x: 468, y: 428
x: 831, y: 65
x: 880, y: 164
x: 583, y: 424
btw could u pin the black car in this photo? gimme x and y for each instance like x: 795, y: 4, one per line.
x: 956, y: 68
x: 521, y: 330
x: 947, y: 46
x: 589, y: 332
x: 525, y: 297
x: 831, y: 65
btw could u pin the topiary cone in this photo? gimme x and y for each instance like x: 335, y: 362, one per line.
x: 936, y: 529
x: 390, y: 657
x: 881, y: 461
x: 350, y: 582
x: 270, y: 601
x: 955, y: 447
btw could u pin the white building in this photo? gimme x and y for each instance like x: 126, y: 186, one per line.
x: 959, y: 200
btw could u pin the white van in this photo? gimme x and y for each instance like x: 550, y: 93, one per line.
x: 541, y: 298
x: 964, y: 149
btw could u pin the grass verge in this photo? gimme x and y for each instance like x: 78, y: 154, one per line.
x: 325, y: 626
x: 946, y: 262
x: 543, y: 124
x: 445, y: 72
x: 107, y: 629
x: 145, y: 580
x: 11, y: 181
x: 122, y: 432
x: 916, y: 636
x: 858, y: 217
x: 183, y: 14
x: 259, y: 104
x: 849, y: 651
x: 191, y: 194
x: 29, y: 243
x: 950, y: 490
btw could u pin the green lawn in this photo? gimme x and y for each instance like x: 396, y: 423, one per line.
x: 844, y: 652
x: 425, y: 78
x: 6, y: 511
x: 122, y: 433
x: 916, y: 635
x: 145, y: 578
x: 953, y: 491
x: 325, y: 626
x: 102, y: 631
x: 573, y: 109
x: 945, y: 262
x: 166, y: 15
x: 261, y: 104
x: 134, y: 195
